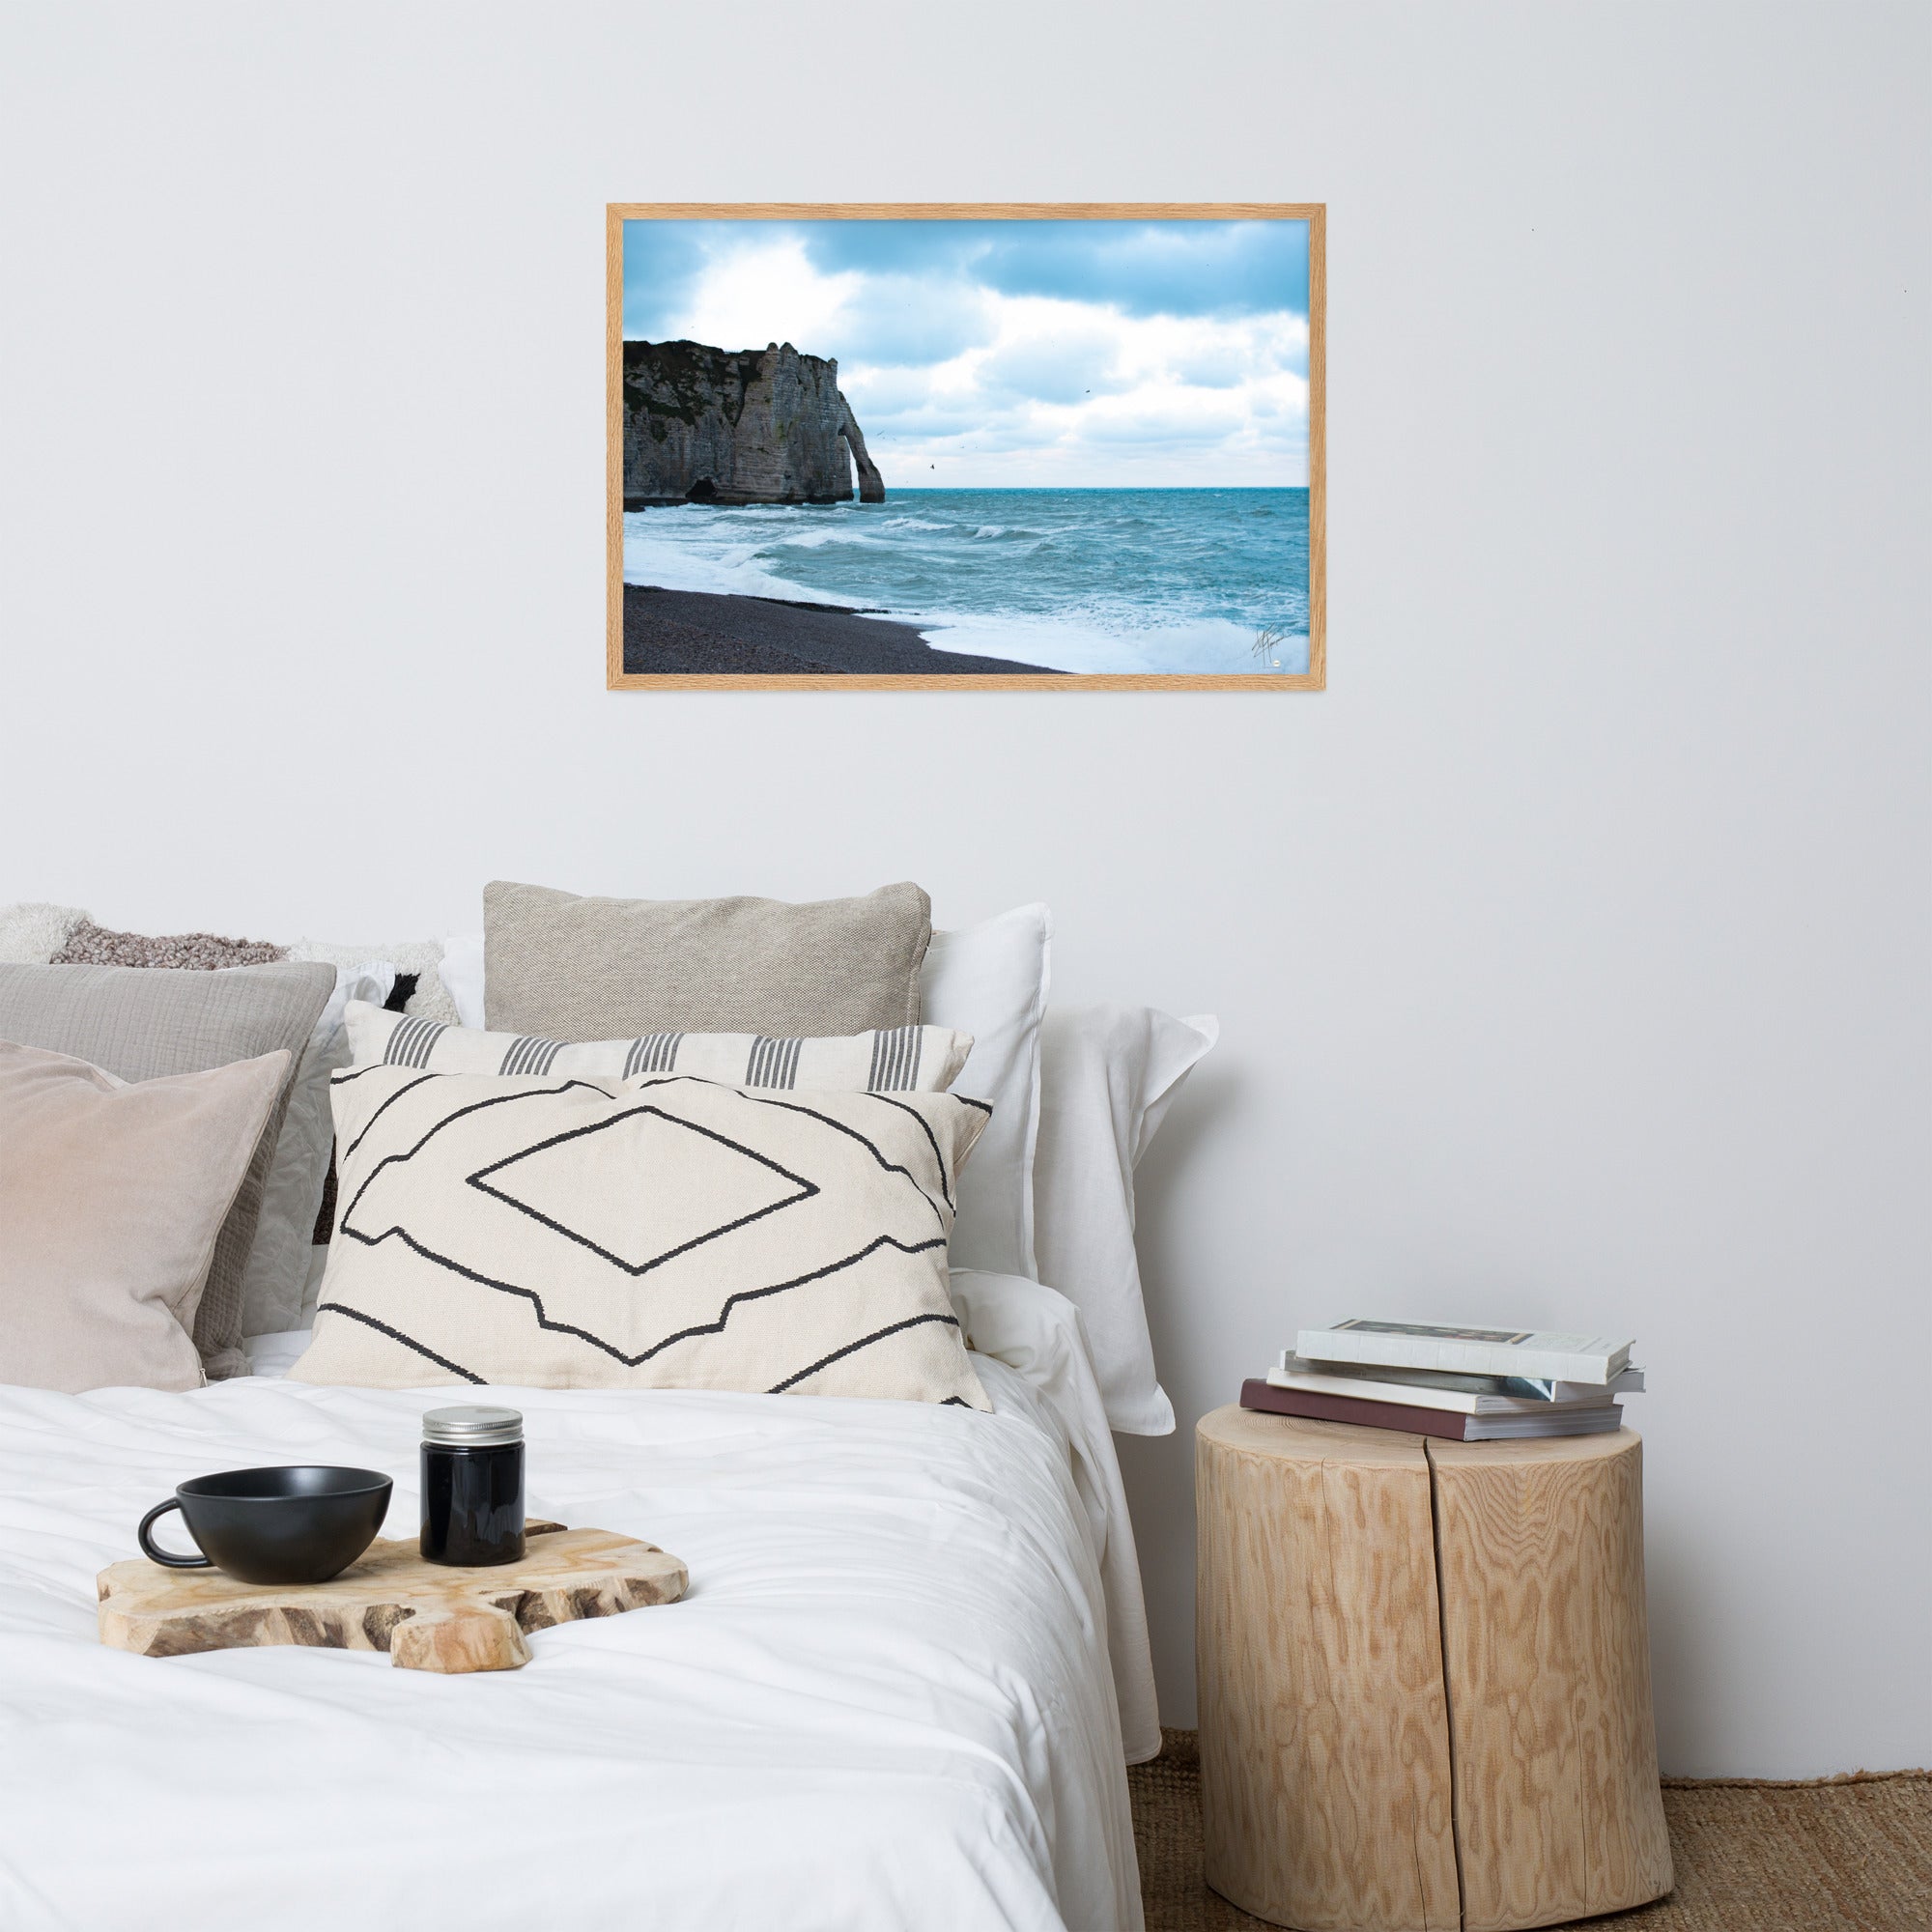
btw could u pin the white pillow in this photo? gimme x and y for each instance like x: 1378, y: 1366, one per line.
x: 461, y: 976
x: 992, y: 981
x: 1109, y: 1075
x: 277, y: 1265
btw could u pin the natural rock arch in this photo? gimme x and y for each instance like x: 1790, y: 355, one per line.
x: 871, y: 485
x: 755, y: 426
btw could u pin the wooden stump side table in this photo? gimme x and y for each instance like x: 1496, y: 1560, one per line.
x: 1424, y: 1676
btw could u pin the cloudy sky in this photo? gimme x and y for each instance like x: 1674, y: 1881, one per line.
x: 1014, y: 353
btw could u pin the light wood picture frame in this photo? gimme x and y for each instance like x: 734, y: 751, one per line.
x: 1064, y: 362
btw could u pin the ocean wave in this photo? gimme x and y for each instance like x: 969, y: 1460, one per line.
x: 818, y: 539
x: 1206, y: 646
x: 1094, y: 580
x: 728, y: 569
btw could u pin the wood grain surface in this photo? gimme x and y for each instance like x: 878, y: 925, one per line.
x: 426, y: 1615
x: 1324, y: 1760
x: 1547, y: 1655
x: 1314, y: 213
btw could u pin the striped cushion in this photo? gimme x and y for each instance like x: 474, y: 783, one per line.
x: 897, y: 1060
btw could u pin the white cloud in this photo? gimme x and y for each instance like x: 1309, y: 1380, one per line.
x: 1031, y: 389
x: 766, y: 292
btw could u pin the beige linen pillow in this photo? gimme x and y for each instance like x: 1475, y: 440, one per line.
x: 655, y: 1233
x: 112, y: 1195
x: 570, y: 968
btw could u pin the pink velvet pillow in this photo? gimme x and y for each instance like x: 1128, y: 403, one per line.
x: 111, y: 1195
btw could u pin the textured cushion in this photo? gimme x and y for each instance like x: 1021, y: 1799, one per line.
x: 418, y: 961
x: 656, y: 1232
x: 143, y: 1026
x: 990, y: 981
x: 924, y: 1060
x: 569, y: 968
x: 32, y: 933
x: 54, y: 935
x: 90, y: 944
x: 111, y: 1197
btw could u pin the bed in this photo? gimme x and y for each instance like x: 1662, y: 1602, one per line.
x: 901, y: 1690
x: 912, y: 1663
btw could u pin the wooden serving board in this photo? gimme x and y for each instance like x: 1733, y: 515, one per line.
x: 426, y: 1615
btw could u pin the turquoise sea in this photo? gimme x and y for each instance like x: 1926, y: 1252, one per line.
x: 1175, y: 580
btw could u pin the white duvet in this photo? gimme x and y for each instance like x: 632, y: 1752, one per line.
x: 886, y: 1702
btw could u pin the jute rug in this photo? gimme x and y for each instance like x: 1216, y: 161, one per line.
x: 1849, y: 1855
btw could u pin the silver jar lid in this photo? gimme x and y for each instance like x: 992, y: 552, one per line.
x: 473, y: 1428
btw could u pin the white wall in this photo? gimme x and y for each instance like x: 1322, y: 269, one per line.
x: 1570, y: 950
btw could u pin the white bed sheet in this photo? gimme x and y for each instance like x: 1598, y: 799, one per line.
x: 886, y: 1702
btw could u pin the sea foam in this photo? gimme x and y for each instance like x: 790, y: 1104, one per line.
x: 1091, y: 580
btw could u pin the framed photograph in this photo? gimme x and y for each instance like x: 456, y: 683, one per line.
x: 1016, y: 448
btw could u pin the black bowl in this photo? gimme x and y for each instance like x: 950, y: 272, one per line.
x: 301, y: 1524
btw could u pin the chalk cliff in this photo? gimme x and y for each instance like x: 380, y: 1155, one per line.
x: 747, y: 426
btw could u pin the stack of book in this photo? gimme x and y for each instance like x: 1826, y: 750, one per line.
x: 1468, y: 1384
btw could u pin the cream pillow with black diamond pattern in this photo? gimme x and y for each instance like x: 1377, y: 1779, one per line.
x: 661, y: 1231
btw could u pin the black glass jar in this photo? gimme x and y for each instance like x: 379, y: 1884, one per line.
x: 472, y: 1486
